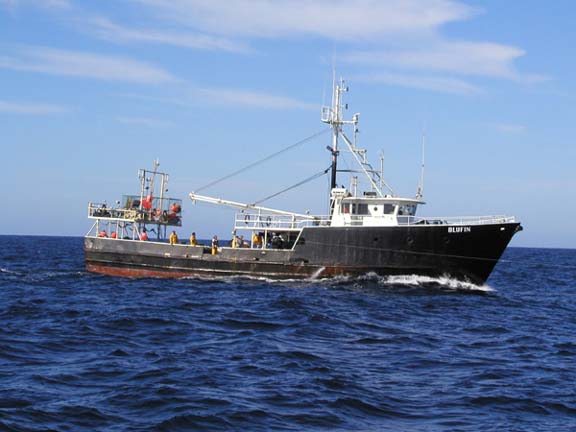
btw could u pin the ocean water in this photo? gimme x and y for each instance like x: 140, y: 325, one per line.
x: 85, y: 352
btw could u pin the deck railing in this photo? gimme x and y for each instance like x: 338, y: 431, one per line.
x: 455, y: 220
x: 255, y: 221
x: 101, y: 211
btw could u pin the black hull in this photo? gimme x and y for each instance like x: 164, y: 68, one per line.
x: 462, y: 252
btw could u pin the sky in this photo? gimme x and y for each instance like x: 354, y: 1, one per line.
x: 92, y: 91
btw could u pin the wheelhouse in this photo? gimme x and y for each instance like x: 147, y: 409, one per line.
x: 371, y: 210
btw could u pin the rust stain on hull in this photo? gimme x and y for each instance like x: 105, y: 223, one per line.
x: 137, y: 272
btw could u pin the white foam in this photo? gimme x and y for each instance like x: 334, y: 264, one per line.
x: 444, y: 281
x: 407, y: 280
x: 317, y: 273
x: 5, y: 270
x: 232, y: 278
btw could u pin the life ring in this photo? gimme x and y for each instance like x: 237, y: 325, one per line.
x: 268, y: 221
x: 247, y: 219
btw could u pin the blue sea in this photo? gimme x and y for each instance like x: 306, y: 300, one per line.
x: 87, y: 352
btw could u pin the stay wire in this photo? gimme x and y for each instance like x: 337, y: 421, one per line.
x: 258, y: 162
x: 313, y: 177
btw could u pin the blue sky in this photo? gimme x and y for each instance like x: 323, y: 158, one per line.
x: 92, y: 91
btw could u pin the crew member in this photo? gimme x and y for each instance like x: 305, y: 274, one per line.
x: 144, y: 235
x: 214, y: 245
x: 173, y: 238
x: 277, y: 241
x: 193, y: 241
x: 256, y: 240
x: 236, y: 241
x: 104, y: 211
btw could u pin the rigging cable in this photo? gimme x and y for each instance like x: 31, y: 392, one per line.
x: 258, y: 162
x: 313, y: 177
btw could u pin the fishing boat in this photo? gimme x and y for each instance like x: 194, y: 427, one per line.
x: 366, y: 231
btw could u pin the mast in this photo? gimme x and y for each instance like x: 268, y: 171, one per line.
x: 334, y: 117
x: 334, y: 168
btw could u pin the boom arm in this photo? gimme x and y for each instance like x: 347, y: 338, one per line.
x: 243, y: 206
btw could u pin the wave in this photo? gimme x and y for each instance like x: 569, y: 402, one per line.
x: 443, y: 281
x: 39, y: 275
x: 10, y: 272
x: 408, y: 280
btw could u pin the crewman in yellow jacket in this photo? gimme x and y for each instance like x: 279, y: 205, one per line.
x: 173, y: 238
x: 193, y: 241
x: 256, y: 240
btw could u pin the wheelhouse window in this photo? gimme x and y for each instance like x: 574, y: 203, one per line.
x: 362, y: 209
x: 407, y: 210
x: 389, y: 209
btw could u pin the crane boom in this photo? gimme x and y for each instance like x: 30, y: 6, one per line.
x: 219, y: 201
